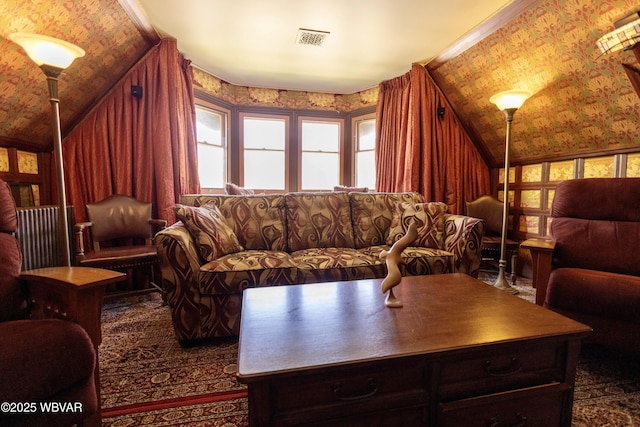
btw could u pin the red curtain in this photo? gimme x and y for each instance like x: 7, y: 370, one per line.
x: 416, y: 150
x: 142, y: 147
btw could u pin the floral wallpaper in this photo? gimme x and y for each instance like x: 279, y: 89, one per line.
x: 101, y: 27
x: 582, y: 103
x: 250, y: 96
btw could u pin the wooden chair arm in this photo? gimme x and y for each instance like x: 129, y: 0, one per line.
x: 79, y: 230
x: 158, y: 225
x: 541, y: 257
x: 161, y: 223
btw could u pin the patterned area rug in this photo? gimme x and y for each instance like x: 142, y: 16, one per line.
x: 149, y: 380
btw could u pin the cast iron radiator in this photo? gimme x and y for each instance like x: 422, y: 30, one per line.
x: 38, y: 236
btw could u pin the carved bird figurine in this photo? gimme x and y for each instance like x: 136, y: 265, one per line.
x: 393, y: 258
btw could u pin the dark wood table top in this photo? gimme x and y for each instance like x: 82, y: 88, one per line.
x: 285, y: 329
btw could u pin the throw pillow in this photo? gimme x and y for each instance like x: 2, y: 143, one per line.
x: 346, y: 189
x: 429, y: 219
x: 236, y: 190
x: 212, y: 235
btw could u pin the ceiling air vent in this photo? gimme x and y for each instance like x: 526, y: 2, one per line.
x: 311, y: 37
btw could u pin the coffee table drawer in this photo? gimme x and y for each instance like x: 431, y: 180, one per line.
x: 534, y: 406
x: 486, y: 372
x: 361, y: 390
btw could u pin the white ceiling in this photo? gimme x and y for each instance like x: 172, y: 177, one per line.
x: 253, y: 42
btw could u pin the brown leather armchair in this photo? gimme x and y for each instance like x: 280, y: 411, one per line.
x: 121, y: 232
x: 41, y: 361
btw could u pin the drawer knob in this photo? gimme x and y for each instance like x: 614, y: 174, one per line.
x: 514, y: 367
x: 521, y: 422
x: 372, y: 389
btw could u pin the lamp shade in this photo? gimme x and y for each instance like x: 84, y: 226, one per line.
x: 624, y: 37
x: 44, y: 50
x: 510, y: 99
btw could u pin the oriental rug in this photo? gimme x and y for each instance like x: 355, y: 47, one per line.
x: 147, y: 379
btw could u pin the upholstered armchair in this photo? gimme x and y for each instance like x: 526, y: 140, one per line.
x: 120, y: 231
x: 47, y: 360
x: 589, y: 269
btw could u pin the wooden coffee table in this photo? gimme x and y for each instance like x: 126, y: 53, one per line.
x: 459, y: 353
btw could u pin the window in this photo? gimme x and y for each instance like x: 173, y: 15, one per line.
x: 321, y: 142
x: 264, y: 153
x: 364, y: 151
x: 211, y: 131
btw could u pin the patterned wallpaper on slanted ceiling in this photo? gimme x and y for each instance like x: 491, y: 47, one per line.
x: 581, y: 103
x: 101, y: 27
x: 299, y: 100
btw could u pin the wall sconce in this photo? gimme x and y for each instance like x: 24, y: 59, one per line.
x: 625, y: 36
x: 53, y: 56
x: 508, y: 102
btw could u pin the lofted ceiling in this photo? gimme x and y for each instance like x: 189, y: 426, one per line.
x: 251, y: 43
x: 582, y: 104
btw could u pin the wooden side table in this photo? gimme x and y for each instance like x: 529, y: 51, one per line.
x: 74, y: 294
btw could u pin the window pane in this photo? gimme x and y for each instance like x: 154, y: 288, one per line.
x: 210, y: 159
x: 366, y: 169
x: 320, y: 171
x: 317, y: 136
x: 212, y: 154
x: 209, y: 127
x: 264, y: 169
x: 512, y: 175
x: 27, y: 162
x: 532, y: 173
x: 365, y: 161
x: 561, y: 171
x: 366, y: 134
x: 530, y: 199
x: 264, y: 133
x: 601, y: 167
x: 633, y: 165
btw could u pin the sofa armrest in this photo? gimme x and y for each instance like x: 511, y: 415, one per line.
x: 180, y: 265
x: 541, y: 257
x: 463, y: 237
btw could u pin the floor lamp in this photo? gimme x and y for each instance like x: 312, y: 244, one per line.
x: 508, y: 102
x: 53, y: 56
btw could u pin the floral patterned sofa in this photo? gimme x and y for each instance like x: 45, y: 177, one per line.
x: 224, y: 244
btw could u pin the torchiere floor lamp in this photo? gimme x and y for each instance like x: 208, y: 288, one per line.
x: 53, y: 56
x: 508, y: 102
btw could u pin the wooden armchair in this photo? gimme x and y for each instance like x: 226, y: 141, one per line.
x: 49, y: 335
x: 120, y: 233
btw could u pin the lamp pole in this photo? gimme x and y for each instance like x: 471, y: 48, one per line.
x: 52, y: 74
x: 508, y: 102
x: 501, y: 281
x: 53, y: 56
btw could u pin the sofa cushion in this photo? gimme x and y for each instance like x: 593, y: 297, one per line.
x: 597, y: 293
x: 429, y: 220
x: 372, y: 214
x: 336, y: 264
x: 417, y: 261
x: 318, y: 220
x: 246, y: 269
x: 212, y: 235
x: 596, y: 245
x: 258, y: 221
